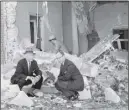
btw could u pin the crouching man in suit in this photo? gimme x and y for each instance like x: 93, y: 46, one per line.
x: 70, y: 81
x: 27, y: 73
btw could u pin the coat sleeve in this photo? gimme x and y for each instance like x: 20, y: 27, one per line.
x: 19, y: 76
x: 67, y: 74
x: 77, y: 82
x: 37, y: 70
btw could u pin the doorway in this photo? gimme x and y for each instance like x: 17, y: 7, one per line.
x: 35, y: 32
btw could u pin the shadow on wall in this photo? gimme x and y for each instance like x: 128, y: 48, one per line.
x: 93, y: 39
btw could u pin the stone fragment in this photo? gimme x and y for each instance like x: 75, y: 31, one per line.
x: 79, y: 105
x: 111, y: 95
x: 22, y: 100
x: 85, y: 94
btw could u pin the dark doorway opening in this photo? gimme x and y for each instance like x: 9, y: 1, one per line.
x: 122, y: 42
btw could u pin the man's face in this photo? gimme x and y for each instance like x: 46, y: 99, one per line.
x: 29, y: 56
x: 60, y: 58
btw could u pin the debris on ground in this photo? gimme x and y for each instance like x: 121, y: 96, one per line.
x: 78, y: 105
x: 59, y: 100
x: 22, y: 100
x: 99, y: 48
x: 105, y: 78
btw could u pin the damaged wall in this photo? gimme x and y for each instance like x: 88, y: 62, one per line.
x: 67, y: 25
x: 60, y: 20
x: 55, y: 20
x: 106, y: 17
x: 24, y: 9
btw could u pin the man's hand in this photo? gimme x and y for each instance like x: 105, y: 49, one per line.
x: 30, y: 78
x: 36, y: 79
x: 33, y: 79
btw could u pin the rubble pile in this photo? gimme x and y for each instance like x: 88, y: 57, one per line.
x: 105, y: 77
x: 112, y: 74
x: 107, y: 87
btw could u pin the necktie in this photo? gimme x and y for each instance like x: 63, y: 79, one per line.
x: 29, y: 66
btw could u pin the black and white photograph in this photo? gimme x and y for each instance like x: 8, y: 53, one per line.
x: 64, y: 55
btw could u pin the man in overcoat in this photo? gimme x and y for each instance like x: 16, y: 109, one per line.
x: 70, y: 81
x: 28, y: 73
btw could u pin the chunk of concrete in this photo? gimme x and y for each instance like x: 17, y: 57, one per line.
x: 7, y: 90
x: 89, y: 69
x: 121, y: 56
x: 14, y: 88
x: 78, y: 105
x: 85, y: 94
x: 99, y: 48
x: 39, y: 94
x: 22, y: 100
x: 111, y: 95
x: 86, y: 83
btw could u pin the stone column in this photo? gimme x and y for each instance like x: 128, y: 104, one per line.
x: 45, y: 24
x: 82, y: 26
x: 85, y: 22
x: 74, y: 32
x: 10, y: 31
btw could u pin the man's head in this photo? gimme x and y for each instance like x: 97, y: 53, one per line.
x: 29, y: 54
x: 60, y: 57
x: 25, y: 43
x: 52, y: 39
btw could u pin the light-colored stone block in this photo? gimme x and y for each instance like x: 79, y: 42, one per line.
x: 85, y: 94
x: 111, y: 95
x: 22, y: 100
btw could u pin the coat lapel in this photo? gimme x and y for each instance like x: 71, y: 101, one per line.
x: 26, y: 67
x: 31, y: 67
x: 64, y: 67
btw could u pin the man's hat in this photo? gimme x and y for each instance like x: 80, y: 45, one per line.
x: 29, y: 50
x: 52, y: 37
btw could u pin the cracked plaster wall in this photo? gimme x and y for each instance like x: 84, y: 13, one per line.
x: 106, y: 17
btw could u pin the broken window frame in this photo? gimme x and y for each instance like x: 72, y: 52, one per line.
x: 120, y: 40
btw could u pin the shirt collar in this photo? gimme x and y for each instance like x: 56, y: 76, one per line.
x: 63, y: 62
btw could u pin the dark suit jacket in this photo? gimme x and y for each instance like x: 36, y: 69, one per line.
x: 69, y: 73
x: 22, y: 72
